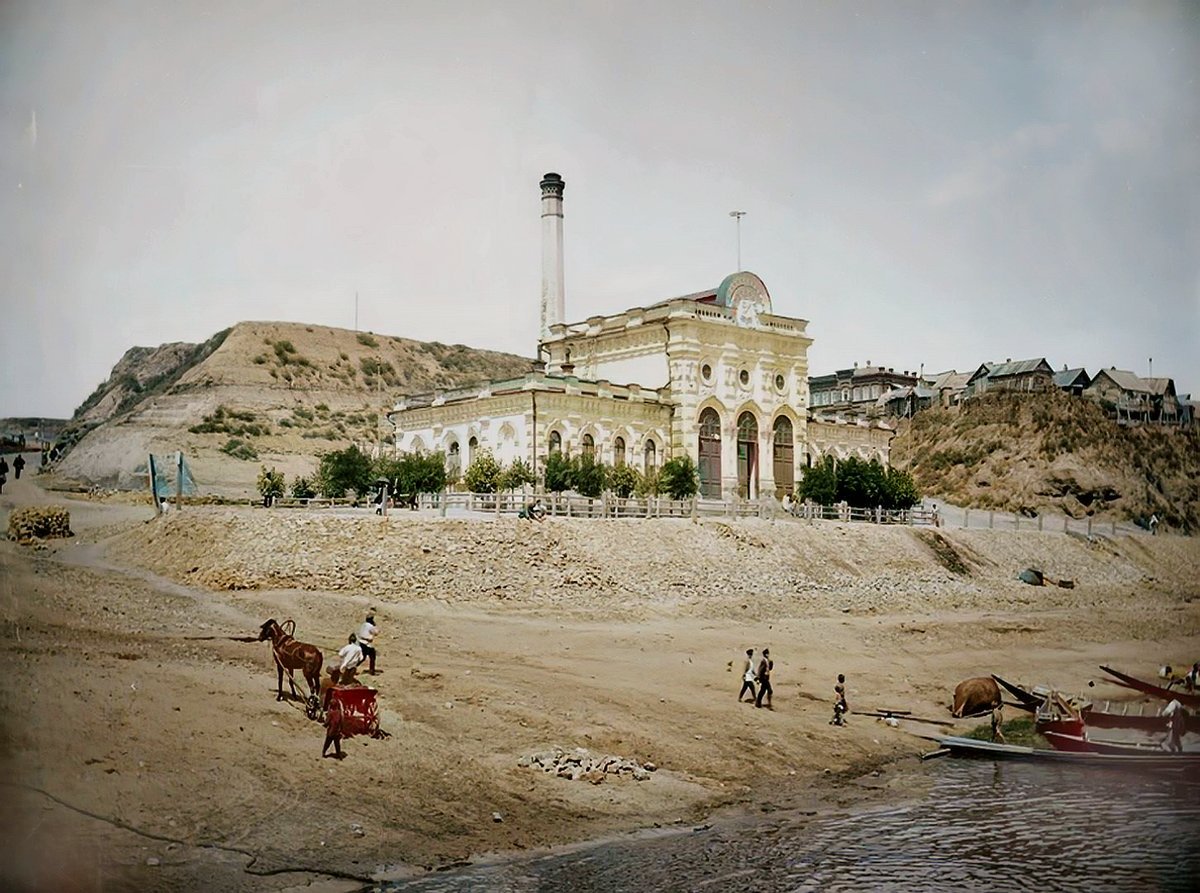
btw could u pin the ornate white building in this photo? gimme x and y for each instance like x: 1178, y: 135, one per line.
x: 715, y: 375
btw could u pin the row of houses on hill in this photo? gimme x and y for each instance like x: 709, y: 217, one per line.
x: 872, y: 392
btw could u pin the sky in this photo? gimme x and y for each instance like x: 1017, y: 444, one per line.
x: 931, y: 185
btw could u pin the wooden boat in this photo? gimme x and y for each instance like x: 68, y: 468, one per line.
x: 1149, y: 688
x: 1140, y: 759
x: 1026, y: 699
x: 1083, y: 744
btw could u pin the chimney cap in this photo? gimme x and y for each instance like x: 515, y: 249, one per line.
x: 552, y: 184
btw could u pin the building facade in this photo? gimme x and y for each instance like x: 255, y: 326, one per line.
x: 715, y: 375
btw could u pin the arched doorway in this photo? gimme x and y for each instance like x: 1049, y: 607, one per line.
x: 651, y: 457
x: 747, y: 455
x: 710, y: 454
x: 782, y: 456
x: 619, y: 451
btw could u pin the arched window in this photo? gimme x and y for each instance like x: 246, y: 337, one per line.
x: 783, y: 451
x: 710, y: 454
x: 555, y: 442
x: 651, y: 456
x: 747, y: 455
x: 453, y: 460
x: 619, y: 451
x: 589, y: 445
x: 472, y: 449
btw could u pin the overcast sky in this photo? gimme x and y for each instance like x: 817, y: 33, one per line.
x: 926, y: 183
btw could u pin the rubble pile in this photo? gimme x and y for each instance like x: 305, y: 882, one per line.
x: 581, y: 764
x: 33, y: 523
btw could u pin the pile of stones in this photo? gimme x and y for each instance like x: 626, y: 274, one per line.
x: 582, y: 765
x: 32, y: 523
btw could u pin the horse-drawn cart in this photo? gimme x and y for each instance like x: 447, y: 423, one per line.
x: 350, y: 710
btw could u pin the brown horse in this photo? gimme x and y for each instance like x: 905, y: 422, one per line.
x: 291, y: 655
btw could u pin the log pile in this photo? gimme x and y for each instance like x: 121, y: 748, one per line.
x: 33, y: 523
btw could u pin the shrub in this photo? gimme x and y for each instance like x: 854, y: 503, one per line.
x: 679, y: 477
x: 623, y: 480
x: 588, y: 475
x: 517, y: 475
x: 239, y: 449
x: 270, y: 484
x: 819, y: 483
x: 483, y: 474
x: 366, y: 340
x: 558, y: 473
x: 647, y: 483
x: 302, y: 488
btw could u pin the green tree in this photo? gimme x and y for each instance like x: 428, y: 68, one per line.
x: 647, y: 483
x: 679, y: 477
x: 588, y: 475
x: 819, y: 483
x: 517, y: 475
x: 484, y: 473
x: 899, y: 490
x: 302, y: 488
x: 558, y: 473
x: 270, y: 484
x: 859, y: 483
x: 623, y: 480
x: 342, y: 470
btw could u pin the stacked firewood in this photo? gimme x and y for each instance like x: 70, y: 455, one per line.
x: 39, y: 522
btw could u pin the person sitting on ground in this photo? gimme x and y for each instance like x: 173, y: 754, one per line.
x: 347, y: 660
x: 535, y: 511
x: 366, y: 639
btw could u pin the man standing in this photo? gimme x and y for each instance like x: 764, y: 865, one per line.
x: 747, y: 676
x: 18, y: 464
x: 840, y: 707
x: 3, y: 473
x: 765, y: 666
x: 366, y: 638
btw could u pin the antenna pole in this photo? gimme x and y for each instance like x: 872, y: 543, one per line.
x: 737, y: 216
x: 356, y: 311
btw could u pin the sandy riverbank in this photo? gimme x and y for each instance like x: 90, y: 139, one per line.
x: 501, y: 640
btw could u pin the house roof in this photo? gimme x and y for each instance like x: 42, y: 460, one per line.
x: 1125, y: 380
x: 1160, y: 385
x: 1020, y: 367
x: 953, y: 381
x: 1068, y: 377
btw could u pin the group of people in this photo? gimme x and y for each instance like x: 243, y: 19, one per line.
x: 359, y: 647
x: 18, y: 465
x: 760, y: 674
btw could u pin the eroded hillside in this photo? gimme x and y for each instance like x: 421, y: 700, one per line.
x: 260, y: 392
x: 1034, y: 452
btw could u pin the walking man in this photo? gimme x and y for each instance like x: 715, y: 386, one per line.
x: 18, y: 464
x: 747, y: 676
x: 348, y: 659
x: 765, y: 666
x: 366, y: 639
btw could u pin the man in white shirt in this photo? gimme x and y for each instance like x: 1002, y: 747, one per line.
x: 366, y: 639
x: 349, y: 657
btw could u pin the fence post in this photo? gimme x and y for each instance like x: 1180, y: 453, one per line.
x: 1089, y: 525
x: 694, y: 501
x: 1066, y: 521
x: 497, y: 503
x: 1114, y: 528
x: 991, y: 520
x: 1039, y: 522
x: 442, y: 502
x: 966, y: 517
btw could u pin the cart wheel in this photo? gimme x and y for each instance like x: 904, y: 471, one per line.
x: 312, y: 707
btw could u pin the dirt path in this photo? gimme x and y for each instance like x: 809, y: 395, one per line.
x: 125, y: 702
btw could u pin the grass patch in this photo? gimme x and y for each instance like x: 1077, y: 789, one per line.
x: 1020, y: 731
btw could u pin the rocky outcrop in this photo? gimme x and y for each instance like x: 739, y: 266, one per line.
x: 581, y: 764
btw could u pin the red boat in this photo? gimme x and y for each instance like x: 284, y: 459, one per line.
x: 1078, y: 744
x: 1187, y: 699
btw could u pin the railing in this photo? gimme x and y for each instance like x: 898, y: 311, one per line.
x: 574, y: 506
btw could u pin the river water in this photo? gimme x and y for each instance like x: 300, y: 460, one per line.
x: 983, y: 826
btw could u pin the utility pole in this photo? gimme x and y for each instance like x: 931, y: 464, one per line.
x: 737, y: 216
x: 356, y: 310
x: 1151, y: 367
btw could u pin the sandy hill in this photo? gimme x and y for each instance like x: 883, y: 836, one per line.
x: 1033, y: 452
x: 260, y: 392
